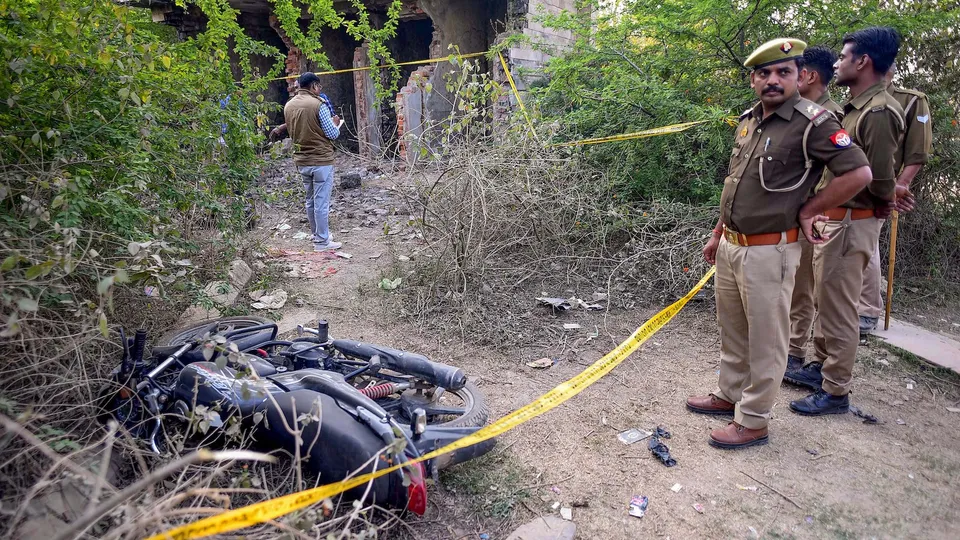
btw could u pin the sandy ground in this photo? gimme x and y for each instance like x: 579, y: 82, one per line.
x: 830, y: 477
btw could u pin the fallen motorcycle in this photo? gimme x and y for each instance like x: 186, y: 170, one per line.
x: 344, y: 406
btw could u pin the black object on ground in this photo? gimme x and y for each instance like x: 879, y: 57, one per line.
x: 867, y: 418
x: 662, y: 433
x: 660, y: 450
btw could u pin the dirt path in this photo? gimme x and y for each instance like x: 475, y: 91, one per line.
x: 896, y: 479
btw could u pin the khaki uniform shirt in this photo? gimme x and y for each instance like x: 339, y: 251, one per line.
x: 874, y: 120
x: 918, y: 137
x: 769, y: 180
x: 829, y: 104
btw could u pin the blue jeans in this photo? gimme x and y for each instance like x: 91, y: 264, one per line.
x: 318, y: 183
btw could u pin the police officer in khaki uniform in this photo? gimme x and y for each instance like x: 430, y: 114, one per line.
x: 782, y: 146
x: 910, y: 159
x: 873, y: 120
x: 816, y: 74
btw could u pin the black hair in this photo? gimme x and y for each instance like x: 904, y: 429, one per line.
x: 880, y: 43
x: 820, y: 59
x: 307, y: 79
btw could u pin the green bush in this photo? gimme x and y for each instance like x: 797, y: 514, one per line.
x: 649, y: 63
x: 112, y: 150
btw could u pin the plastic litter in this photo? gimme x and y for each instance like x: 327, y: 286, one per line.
x: 746, y: 488
x: 867, y: 418
x: 566, y: 513
x: 638, y: 505
x: 661, y: 451
x: 662, y: 433
x: 540, y: 363
x: 676, y: 488
x: 698, y: 507
x: 633, y: 435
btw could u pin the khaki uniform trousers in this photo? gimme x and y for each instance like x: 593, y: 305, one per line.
x: 803, y: 305
x: 839, y: 265
x: 753, y: 289
x: 871, y: 294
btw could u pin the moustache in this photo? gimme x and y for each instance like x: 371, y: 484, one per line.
x: 773, y: 89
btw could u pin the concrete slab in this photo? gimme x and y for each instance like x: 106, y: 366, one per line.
x: 931, y: 346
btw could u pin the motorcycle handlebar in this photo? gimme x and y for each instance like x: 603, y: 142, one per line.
x: 417, y: 365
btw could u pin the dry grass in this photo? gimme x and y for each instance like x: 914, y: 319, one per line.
x: 506, y: 221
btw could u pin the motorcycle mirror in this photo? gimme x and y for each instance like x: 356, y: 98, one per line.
x: 419, y: 422
x: 299, y: 330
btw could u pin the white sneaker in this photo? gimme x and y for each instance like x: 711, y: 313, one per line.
x: 329, y: 246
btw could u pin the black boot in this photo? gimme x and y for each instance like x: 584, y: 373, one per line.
x: 794, y: 362
x: 808, y: 376
x: 819, y: 403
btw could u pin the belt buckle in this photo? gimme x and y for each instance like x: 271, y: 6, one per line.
x: 732, y: 237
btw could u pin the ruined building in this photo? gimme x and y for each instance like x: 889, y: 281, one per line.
x: 426, y: 30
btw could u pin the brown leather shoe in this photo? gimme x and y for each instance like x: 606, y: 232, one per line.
x: 735, y: 436
x: 709, y: 404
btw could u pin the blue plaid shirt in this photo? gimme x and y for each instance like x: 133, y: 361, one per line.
x: 325, y: 114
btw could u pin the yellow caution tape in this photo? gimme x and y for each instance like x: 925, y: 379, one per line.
x: 523, y: 109
x: 665, y: 130
x: 384, y: 66
x: 261, y: 512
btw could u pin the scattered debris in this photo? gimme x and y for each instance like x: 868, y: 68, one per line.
x: 484, y: 536
x: 754, y: 532
x: 541, y: 363
x: 403, y: 258
x: 633, y: 435
x: 812, y: 451
x: 910, y: 476
x: 747, y: 488
x: 676, y: 488
x: 571, y: 326
x: 773, y: 489
x: 867, y: 418
x: 638, y: 505
x: 556, y: 505
x: 376, y: 255
x: 900, y: 422
x: 662, y: 433
x: 883, y: 362
x: 698, y: 507
x: 300, y: 302
x: 389, y: 284
x: 564, y: 304
x: 661, y: 451
x: 599, y: 297
x: 276, y: 299
x: 301, y: 235
x: 555, y: 489
x: 580, y: 503
x: 343, y: 255
x: 154, y: 292
x: 808, y: 519
x: 953, y: 409
x: 256, y: 294
x: 283, y: 227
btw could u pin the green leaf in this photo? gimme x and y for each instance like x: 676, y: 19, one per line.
x: 9, y: 263
x: 35, y: 271
x: 120, y: 276
x: 36, y: 138
x: 104, y: 330
x: 27, y: 304
x: 124, y: 93
x: 165, y: 60
x: 133, y: 248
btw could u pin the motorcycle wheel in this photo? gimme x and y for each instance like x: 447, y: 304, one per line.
x: 226, y: 324
x: 469, y: 398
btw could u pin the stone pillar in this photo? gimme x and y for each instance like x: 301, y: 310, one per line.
x: 368, y: 114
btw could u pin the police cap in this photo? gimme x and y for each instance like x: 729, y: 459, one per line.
x: 774, y: 52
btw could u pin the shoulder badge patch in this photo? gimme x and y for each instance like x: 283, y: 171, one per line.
x: 878, y: 108
x: 821, y: 118
x: 923, y: 119
x: 841, y: 139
